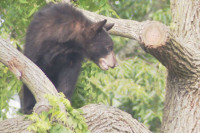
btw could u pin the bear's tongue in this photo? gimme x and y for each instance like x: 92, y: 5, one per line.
x: 103, y: 65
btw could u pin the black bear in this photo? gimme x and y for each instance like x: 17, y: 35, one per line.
x: 58, y: 39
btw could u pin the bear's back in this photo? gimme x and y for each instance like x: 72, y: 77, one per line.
x: 54, y: 23
x: 59, y: 13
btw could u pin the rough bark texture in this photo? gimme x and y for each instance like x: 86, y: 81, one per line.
x: 99, y: 118
x: 182, y: 108
x: 133, y: 29
x: 102, y: 119
x: 28, y: 72
x: 15, y: 125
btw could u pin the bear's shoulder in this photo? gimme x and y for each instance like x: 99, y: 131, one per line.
x: 61, y: 11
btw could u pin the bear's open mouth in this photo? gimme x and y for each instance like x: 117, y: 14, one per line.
x: 108, y: 61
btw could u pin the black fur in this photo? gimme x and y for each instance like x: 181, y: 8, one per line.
x: 57, y: 40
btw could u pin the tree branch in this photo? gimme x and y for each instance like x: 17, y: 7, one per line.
x: 158, y: 40
x: 15, y: 125
x: 99, y: 118
x: 29, y: 73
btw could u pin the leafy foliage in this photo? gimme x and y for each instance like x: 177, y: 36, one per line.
x: 143, y: 9
x: 48, y: 121
x: 16, y: 16
x: 9, y: 86
x: 98, y: 6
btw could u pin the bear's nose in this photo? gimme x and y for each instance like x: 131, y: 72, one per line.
x: 114, y: 61
x: 111, y: 60
x: 115, y: 64
x: 108, y: 61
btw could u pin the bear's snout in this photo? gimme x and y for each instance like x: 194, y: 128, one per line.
x: 109, y: 61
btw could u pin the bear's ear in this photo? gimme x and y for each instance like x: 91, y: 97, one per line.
x: 98, y: 26
x: 91, y: 31
x: 109, y: 26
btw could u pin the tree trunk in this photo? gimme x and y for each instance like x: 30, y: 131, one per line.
x: 182, y: 102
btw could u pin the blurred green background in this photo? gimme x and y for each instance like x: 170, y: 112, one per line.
x: 136, y: 86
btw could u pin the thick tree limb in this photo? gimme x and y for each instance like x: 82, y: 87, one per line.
x: 103, y: 119
x: 15, y: 125
x: 132, y: 29
x: 28, y: 72
x: 100, y: 119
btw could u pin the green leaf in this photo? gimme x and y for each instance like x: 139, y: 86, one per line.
x: 32, y: 12
x: 23, y: 1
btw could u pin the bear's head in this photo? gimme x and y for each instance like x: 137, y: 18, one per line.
x: 99, y: 45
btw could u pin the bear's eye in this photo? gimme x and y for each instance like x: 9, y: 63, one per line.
x: 109, y: 48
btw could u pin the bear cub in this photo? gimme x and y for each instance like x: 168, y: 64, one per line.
x: 58, y: 39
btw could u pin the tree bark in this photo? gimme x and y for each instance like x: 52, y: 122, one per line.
x: 103, y: 119
x: 182, y: 108
x: 99, y: 118
x: 25, y: 70
x: 15, y: 125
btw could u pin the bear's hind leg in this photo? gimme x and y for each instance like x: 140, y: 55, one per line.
x: 27, y: 100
